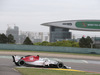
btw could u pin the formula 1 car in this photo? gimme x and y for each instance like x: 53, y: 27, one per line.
x: 30, y: 60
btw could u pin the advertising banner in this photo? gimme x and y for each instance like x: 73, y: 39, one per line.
x: 88, y: 25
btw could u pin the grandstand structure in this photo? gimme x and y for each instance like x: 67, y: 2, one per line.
x: 59, y: 30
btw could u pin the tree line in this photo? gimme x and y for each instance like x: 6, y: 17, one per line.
x: 83, y: 42
x: 7, y: 39
x: 63, y: 43
x: 10, y: 39
x: 86, y: 42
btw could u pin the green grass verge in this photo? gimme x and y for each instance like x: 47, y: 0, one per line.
x: 33, y: 71
x: 50, y: 52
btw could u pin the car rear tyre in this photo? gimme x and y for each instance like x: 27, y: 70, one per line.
x: 21, y: 62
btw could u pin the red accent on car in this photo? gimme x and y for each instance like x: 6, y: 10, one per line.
x: 30, y: 58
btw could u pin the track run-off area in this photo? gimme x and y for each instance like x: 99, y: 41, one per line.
x: 76, y: 62
x: 7, y: 66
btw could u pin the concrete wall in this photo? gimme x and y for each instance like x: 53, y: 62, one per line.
x: 48, y: 48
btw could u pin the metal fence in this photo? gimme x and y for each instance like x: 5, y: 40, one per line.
x: 48, y: 48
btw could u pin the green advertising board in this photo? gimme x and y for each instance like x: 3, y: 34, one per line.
x: 89, y: 25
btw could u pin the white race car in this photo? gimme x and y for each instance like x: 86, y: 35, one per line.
x: 30, y: 60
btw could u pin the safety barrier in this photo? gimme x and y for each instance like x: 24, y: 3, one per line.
x: 48, y: 48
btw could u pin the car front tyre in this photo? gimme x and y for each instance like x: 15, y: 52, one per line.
x: 60, y: 65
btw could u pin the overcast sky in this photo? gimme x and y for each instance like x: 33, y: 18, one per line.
x: 29, y: 14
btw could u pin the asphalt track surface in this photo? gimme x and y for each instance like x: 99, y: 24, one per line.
x: 7, y: 66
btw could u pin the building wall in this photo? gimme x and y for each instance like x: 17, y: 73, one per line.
x: 96, y: 42
x: 57, y: 34
x: 14, y: 32
x: 20, y: 36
